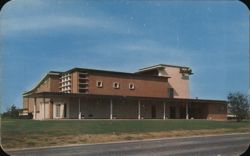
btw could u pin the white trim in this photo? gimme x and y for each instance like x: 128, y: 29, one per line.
x: 131, y: 86
x: 116, y: 85
x: 139, y: 109
x: 111, y: 109
x: 99, y: 84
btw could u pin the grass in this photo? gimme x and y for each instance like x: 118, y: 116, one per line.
x: 32, y: 133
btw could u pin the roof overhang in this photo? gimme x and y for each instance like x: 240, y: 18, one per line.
x: 162, y: 66
x: 79, y: 95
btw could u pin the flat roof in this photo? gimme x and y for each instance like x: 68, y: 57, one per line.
x: 114, y: 73
x: 96, y: 71
x: 161, y: 66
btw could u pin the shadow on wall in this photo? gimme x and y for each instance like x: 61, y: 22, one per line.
x: 169, y: 90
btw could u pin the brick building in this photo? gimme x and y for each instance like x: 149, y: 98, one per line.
x: 155, y: 92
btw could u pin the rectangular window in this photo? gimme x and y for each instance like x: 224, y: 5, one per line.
x: 131, y: 86
x: 83, y: 75
x: 82, y: 81
x: 83, y: 86
x: 99, y: 84
x: 58, y: 110
x: 170, y: 92
x: 116, y: 85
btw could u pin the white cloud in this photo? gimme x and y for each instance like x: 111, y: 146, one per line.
x: 29, y: 15
x: 33, y: 23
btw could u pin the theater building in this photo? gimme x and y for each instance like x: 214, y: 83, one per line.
x: 155, y: 92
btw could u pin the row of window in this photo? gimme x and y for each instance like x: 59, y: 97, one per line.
x: 66, y: 83
x: 115, y: 85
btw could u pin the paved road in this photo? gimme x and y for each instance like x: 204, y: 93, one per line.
x: 221, y: 145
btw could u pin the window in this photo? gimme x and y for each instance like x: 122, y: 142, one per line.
x: 82, y: 81
x: 58, y: 110
x: 99, y: 84
x: 131, y: 86
x: 83, y: 75
x: 83, y: 86
x: 171, y: 92
x: 116, y: 85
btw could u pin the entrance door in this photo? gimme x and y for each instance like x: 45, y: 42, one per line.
x: 172, y: 112
x: 153, y: 112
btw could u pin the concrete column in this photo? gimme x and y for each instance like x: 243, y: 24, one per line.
x: 43, y: 107
x: 164, y: 110
x: 34, y: 115
x: 79, y: 111
x: 111, y: 109
x: 139, y: 109
x: 187, y: 115
x: 28, y: 103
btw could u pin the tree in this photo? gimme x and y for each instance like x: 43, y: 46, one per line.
x: 238, y: 105
x: 12, y: 112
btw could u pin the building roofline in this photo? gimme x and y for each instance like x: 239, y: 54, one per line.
x: 93, y: 71
x: 113, y: 72
x: 161, y: 66
x: 157, y: 66
x: 42, y: 80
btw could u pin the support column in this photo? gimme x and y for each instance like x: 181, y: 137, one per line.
x: 34, y: 115
x: 51, y: 108
x: 139, y: 109
x: 164, y: 110
x: 43, y: 107
x: 187, y: 115
x: 79, y: 109
x: 111, y: 109
x: 28, y: 103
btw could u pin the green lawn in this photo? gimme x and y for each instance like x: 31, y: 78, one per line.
x: 29, y: 133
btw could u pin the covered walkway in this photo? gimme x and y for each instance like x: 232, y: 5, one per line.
x: 49, y: 105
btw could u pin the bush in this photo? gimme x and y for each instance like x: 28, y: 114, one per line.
x: 238, y: 105
x: 11, y: 113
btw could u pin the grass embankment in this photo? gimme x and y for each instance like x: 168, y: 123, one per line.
x: 32, y: 133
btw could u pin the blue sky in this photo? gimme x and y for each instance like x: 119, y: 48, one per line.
x: 41, y: 35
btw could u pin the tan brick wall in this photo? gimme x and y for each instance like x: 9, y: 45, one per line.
x: 74, y: 82
x: 51, y: 84
x: 44, y: 87
x: 143, y: 87
x: 25, y: 103
x: 28, y: 103
x: 54, y: 83
x: 178, y: 82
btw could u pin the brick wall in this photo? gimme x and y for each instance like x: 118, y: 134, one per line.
x: 143, y: 87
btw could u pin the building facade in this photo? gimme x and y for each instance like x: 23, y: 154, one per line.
x: 155, y: 92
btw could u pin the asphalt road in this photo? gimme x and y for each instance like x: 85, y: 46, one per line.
x: 221, y: 145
